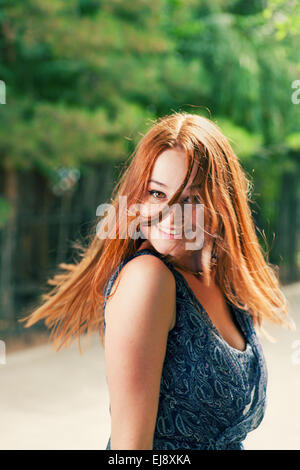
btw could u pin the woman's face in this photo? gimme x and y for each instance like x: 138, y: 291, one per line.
x: 171, y: 234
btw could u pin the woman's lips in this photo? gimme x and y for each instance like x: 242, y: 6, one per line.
x: 172, y: 234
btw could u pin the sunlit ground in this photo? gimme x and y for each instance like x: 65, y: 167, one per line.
x: 59, y: 400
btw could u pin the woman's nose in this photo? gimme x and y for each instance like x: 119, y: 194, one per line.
x: 174, y: 219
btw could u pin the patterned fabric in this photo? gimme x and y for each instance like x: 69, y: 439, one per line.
x: 211, y: 394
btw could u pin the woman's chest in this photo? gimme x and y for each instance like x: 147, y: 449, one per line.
x: 201, y: 376
x: 196, y: 353
x: 219, y: 312
x: 204, y: 375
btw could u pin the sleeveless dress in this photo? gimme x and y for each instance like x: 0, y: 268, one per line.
x: 211, y: 394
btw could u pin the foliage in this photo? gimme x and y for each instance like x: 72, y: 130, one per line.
x: 85, y: 77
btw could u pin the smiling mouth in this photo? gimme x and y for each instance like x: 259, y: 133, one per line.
x: 173, y: 233
x: 169, y: 232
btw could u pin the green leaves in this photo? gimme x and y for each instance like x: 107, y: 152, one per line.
x: 5, y: 211
x: 84, y: 76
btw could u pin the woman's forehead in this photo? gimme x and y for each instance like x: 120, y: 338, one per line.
x: 170, y: 169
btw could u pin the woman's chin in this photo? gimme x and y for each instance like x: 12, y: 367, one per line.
x: 168, y: 246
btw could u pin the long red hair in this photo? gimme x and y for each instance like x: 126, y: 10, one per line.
x: 247, y: 279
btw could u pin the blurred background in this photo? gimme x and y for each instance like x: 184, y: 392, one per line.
x: 80, y: 82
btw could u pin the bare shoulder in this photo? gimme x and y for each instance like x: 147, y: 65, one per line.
x: 148, y: 267
x: 144, y: 284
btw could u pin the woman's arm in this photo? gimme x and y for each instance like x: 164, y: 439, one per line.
x: 138, y: 318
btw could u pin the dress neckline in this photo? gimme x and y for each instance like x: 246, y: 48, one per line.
x: 210, y: 322
x: 205, y: 315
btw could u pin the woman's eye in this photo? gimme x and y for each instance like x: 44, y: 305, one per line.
x: 189, y: 200
x: 152, y: 192
x: 160, y: 195
x: 194, y: 199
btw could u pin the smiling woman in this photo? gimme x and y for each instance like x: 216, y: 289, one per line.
x: 176, y: 225
x: 184, y: 365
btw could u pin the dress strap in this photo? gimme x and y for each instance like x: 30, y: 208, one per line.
x: 111, y: 280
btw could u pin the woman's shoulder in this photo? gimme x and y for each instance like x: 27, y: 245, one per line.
x: 145, y: 283
x: 147, y: 265
x: 140, y: 265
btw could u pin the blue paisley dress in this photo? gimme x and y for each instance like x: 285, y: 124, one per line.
x: 211, y: 394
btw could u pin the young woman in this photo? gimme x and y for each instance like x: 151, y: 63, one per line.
x: 184, y: 365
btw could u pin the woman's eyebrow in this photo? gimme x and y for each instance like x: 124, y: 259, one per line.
x: 157, y: 182
x: 192, y: 186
